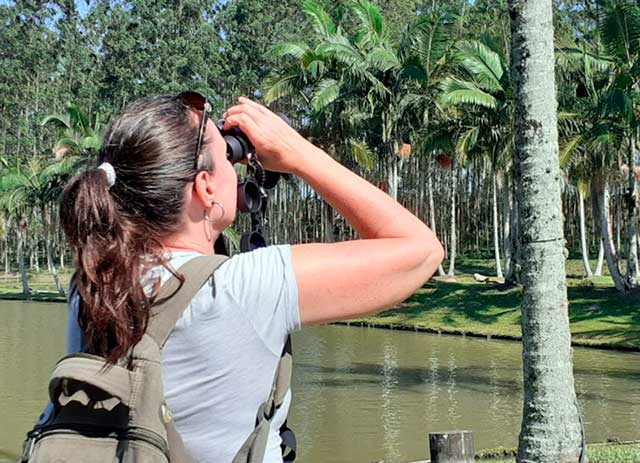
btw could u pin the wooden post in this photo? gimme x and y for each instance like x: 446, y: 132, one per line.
x: 451, y: 447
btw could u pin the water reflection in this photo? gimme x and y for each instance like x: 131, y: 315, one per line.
x: 360, y: 395
x: 425, y: 383
x: 390, y: 422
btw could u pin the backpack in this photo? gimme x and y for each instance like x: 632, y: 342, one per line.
x: 117, y: 413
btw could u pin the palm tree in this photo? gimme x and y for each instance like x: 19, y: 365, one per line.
x: 584, y: 75
x: 550, y: 423
x: 353, y: 84
x: 619, y: 26
x: 481, y: 90
x: 74, y: 132
x: 593, y: 136
x: 29, y: 188
x: 14, y: 203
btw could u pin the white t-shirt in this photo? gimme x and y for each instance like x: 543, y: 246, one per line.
x: 219, y: 362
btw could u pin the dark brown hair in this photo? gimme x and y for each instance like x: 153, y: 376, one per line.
x: 116, y: 231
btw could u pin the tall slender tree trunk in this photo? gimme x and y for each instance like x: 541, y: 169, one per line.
x: 392, y: 176
x: 602, y: 192
x: 21, y: 264
x: 327, y: 220
x: 512, y: 277
x: 452, y: 235
x: 432, y: 214
x: 496, y: 230
x: 632, y: 256
x: 506, y: 225
x: 7, y: 267
x: 46, y: 221
x: 598, y: 271
x: 583, y: 235
x: 550, y: 423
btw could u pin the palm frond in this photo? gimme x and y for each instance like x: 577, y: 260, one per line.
x: 278, y: 87
x: 466, y: 142
x: 412, y: 68
x: 482, y: 63
x: 619, y: 25
x: 77, y: 118
x: 59, y: 121
x: 568, y: 149
x: 617, y: 103
x: 459, y: 92
x: 325, y: 92
x: 361, y: 154
x: 294, y: 49
x: 320, y: 19
x: 433, y: 39
x: 383, y: 59
x: 233, y: 237
x: 342, y: 50
x: 371, y: 21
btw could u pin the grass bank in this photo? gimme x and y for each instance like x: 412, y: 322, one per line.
x: 596, y: 453
x: 41, y: 284
x: 600, y: 316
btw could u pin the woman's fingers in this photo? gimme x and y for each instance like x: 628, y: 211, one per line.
x: 243, y: 109
x: 244, y: 121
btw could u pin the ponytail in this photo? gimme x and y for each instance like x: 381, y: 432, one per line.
x: 115, y: 309
x: 115, y: 227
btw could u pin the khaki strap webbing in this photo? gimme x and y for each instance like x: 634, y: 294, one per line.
x: 112, y: 379
x: 175, y: 296
x: 254, y: 447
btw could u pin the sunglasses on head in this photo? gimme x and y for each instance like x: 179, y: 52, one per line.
x: 200, y: 103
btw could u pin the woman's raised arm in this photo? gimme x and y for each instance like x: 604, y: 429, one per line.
x: 397, y: 252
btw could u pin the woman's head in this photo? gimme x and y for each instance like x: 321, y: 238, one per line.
x: 159, y: 195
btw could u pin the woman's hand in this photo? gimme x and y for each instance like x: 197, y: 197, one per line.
x: 277, y: 144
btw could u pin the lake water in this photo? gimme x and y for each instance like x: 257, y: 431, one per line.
x: 360, y: 394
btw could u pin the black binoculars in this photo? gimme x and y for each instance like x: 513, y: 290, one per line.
x: 252, y: 190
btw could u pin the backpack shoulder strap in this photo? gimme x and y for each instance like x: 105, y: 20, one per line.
x: 254, y: 447
x: 174, y: 296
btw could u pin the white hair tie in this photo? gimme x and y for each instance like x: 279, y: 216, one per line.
x: 111, y: 173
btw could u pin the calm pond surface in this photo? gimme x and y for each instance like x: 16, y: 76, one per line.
x: 360, y: 395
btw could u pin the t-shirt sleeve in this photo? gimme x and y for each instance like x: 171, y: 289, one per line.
x: 263, y: 285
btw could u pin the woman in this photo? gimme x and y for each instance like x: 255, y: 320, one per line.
x: 161, y: 196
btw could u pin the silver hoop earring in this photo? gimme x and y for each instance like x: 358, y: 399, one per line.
x: 214, y: 221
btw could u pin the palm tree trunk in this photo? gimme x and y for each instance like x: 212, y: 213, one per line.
x: 583, y: 235
x: 598, y: 271
x: 632, y: 256
x: 452, y: 235
x: 21, y: 264
x: 7, y: 268
x: 550, y: 423
x: 432, y: 214
x: 327, y: 218
x: 602, y: 191
x: 512, y: 277
x: 506, y: 226
x: 50, y: 263
x: 496, y: 231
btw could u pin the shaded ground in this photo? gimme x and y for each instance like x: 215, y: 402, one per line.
x: 600, y: 316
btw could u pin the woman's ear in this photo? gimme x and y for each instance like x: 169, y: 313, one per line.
x: 204, y: 190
